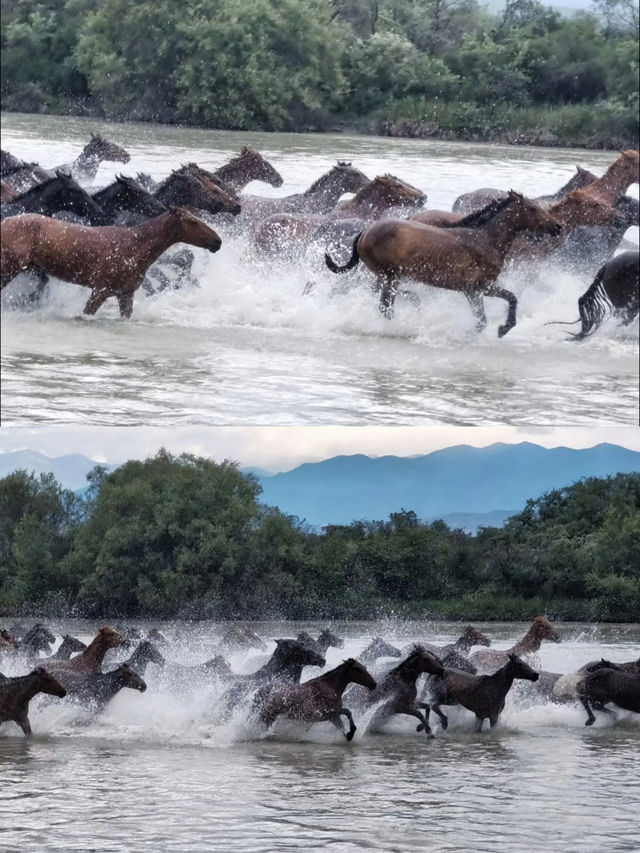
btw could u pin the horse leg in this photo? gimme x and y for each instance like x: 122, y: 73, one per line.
x: 598, y: 706
x: 479, y: 722
x: 427, y: 711
x: 388, y: 295
x: 477, y: 306
x: 424, y: 724
x: 443, y: 718
x: 96, y: 299
x: 23, y: 722
x: 590, y: 715
x: 43, y: 281
x: 500, y: 292
x: 493, y: 721
x: 125, y: 302
x: 345, y: 712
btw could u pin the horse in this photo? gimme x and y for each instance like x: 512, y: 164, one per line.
x: 614, y: 183
x: 609, y: 684
x: 320, y: 197
x: 315, y: 701
x: 477, y: 199
x: 285, y: 665
x: 383, y: 196
x: 540, y: 629
x: 565, y: 687
x: 484, y: 695
x: 88, y: 660
x: 99, y: 688
x: 242, y: 637
x: 9, y: 163
x: 58, y: 193
x: 97, y: 150
x: 21, y: 175
x: 378, y: 648
x: 7, y: 192
x: 616, y: 288
x: 397, y: 689
x: 69, y: 646
x: 467, y: 257
x: 16, y: 693
x: 111, y: 260
x: 248, y: 166
x: 184, y: 190
x: 126, y: 196
x: 144, y: 654
x: 326, y: 639
x: 37, y: 639
x: 210, y: 181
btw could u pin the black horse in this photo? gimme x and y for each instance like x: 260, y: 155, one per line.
x: 616, y: 288
x: 126, y: 196
x: 55, y: 195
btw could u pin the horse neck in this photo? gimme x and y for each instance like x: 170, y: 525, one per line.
x: 321, y: 644
x: 328, y: 187
x: 614, y: 182
x: 87, y: 162
x: 502, y: 229
x: 408, y: 671
x: 28, y: 686
x: 531, y: 642
x: 503, y: 678
x: 95, y: 651
x: 156, y: 235
x: 236, y: 173
x: 338, y: 678
x: 463, y: 644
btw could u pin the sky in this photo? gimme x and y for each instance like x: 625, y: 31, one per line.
x: 282, y: 448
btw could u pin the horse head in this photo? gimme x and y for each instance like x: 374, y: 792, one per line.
x: 327, y: 636
x: 359, y: 674
x: 136, y: 197
x: 472, y: 637
x: 293, y: 652
x: 530, y: 216
x: 543, y: 629
x: 579, y: 207
x: 352, y: 179
x: 49, y: 684
x: 520, y: 669
x: 193, y: 230
x: 259, y: 168
x: 127, y: 677
x: 106, y: 150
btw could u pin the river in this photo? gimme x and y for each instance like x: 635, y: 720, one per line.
x: 156, y: 772
x: 245, y: 347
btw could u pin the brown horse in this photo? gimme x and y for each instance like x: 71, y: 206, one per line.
x: 111, y: 260
x: 248, y: 166
x: 610, y: 684
x: 468, y: 257
x: 184, y: 189
x: 489, y: 660
x: 383, y: 196
x: 7, y: 192
x: 618, y: 177
x: 90, y: 660
x: 16, y: 693
x: 317, y: 700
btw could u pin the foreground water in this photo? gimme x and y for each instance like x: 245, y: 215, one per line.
x: 156, y: 771
x: 246, y: 346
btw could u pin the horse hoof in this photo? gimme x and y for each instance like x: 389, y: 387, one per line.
x: 419, y: 727
x: 349, y: 735
x: 589, y: 722
x: 502, y: 331
x: 431, y: 736
x: 445, y: 725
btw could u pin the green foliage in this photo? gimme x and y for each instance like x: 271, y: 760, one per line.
x: 184, y: 536
x: 422, y: 67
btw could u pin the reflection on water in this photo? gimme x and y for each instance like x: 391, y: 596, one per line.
x: 155, y: 771
x: 246, y: 346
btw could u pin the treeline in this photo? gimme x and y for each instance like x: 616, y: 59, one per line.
x: 444, y: 68
x: 186, y: 537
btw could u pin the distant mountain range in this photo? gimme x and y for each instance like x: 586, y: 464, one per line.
x: 466, y: 487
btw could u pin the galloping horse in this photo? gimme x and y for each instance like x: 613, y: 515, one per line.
x: 326, y: 639
x: 126, y: 195
x: 186, y: 191
x: 58, y: 193
x: 617, y: 286
x: 315, y: 701
x: 248, y: 166
x: 16, y: 693
x: 490, y: 659
x: 111, y: 260
x: 467, y: 257
x: 97, y: 150
x: 610, y: 684
x: 90, y: 660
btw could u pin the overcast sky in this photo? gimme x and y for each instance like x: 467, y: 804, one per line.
x: 282, y: 448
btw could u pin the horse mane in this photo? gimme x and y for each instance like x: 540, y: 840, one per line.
x: 480, y: 217
x: 41, y: 186
x: 322, y: 179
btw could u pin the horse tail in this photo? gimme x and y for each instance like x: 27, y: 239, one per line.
x: 593, y: 305
x: 351, y: 263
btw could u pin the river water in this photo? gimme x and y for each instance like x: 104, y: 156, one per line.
x: 156, y: 772
x: 245, y: 347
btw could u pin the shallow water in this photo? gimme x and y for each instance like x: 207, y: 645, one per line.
x: 156, y: 772
x: 246, y: 346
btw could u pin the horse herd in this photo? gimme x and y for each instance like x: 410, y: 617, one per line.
x: 110, y: 240
x: 423, y: 678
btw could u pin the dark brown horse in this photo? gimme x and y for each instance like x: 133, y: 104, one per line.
x: 111, y: 260
x: 183, y: 189
x: 326, y: 639
x: 609, y: 684
x: 482, y: 694
x: 70, y: 645
x: 16, y: 693
x: 7, y: 192
x: 248, y: 166
x: 242, y: 637
x: 315, y: 701
x: 490, y: 660
x: 616, y: 287
x: 467, y: 257
x: 379, y: 648
x: 99, y: 688
x: 398, y: 692
x: 97, y: 150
